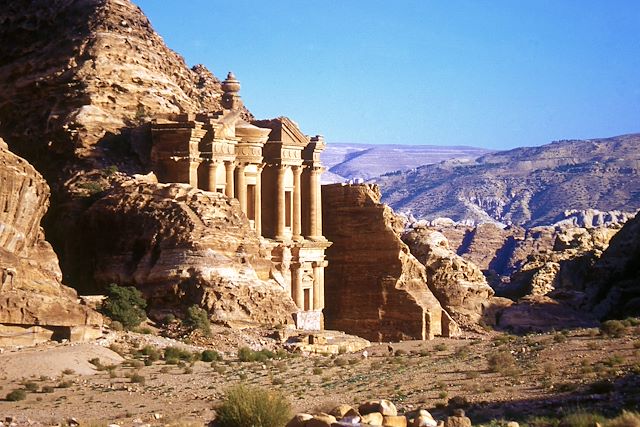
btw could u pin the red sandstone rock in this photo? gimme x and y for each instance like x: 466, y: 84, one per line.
x: 374, y: 287
x: 34, y: 305
x: 184, y: 246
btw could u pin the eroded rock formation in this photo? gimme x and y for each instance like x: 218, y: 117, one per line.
x: 34, y: 305
x: 458, y: 284
x: 183, y: 246
x: 374, y: 287
x: 614, y: 288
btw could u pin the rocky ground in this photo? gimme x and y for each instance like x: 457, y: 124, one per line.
x: 500, y: 376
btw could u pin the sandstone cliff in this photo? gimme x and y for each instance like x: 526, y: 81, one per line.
x: 76, y: 71
x: 183, y: 246
x: 458, y: 284
x: 374, y: 287
x: 34, y: 305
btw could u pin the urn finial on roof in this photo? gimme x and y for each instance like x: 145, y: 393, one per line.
x: 230, y: 98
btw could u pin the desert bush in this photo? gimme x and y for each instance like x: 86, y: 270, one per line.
x: 440, y: 347
x: 601, y: 387
x: 245, y: 354
x: 47, y: 389
x: 246, y: 406
x: 137, y: 378
x: 582, y: 419
x: 626, y: 419
x: 317, y: 371
x: 65, y: 384
x: 198, y: 318
x: 341, y: 361
x: 16, y: 395
x: 31, y: 386
x: 151, y: 352
x: 177, y: 354
x: 210, y: 356
x: 613, y: 328
x: 125, y: 304
x: 68, y: 371
x: 116, y: 326
x: 501, y: 361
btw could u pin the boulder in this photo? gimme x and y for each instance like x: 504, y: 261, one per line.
x: 385, y: 407
x: 458, y: 284
x: 372, y: 418
x: 458, y: 419
x: 321, y: 420
x: 342, y: 411
x: 394, y: 421
x: 299, y: 420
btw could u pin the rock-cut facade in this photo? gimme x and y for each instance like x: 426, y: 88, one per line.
x: 273, y: 169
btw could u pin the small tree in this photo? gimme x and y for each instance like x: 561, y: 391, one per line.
x: 126, y: 305
x: 198, y: 318
x: 246, y: 406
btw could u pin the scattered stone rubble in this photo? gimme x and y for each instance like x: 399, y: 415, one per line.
x: 377, y: 413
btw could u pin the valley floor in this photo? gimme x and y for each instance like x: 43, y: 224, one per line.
x: 500, y: 376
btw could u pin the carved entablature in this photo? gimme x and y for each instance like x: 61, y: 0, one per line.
x: 311, y: 153
x: 285, y: 143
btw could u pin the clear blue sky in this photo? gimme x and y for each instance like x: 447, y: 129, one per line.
x: 497, y: 74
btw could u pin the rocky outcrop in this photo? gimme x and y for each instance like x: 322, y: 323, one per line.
x: 76, y: 71
x: 374, y: 287
x: 458, y: 284
x: 564, y: 266
x: 540, y: 313
x: 614, y: 288
x: 183, y: 246
x: 34, y: 305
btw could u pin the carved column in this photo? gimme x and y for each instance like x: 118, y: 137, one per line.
x: 318, y: 286
x: 212, y: 175
x: 318, y: 232
x: 258, y: 202
x: 297, y: 204
x: 229, y: 168
x: 280, y: 204
x: 314, y: 202
x: 297, y: 294
x: 241, y: 187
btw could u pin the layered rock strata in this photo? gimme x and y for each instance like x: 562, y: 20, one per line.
x: 34, y: 305
x: 458, y: 284
x: 184, y: 246
x: 374, y: 287
x: 76, y: 71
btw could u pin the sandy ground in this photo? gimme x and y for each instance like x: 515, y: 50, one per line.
x: 551, y: 372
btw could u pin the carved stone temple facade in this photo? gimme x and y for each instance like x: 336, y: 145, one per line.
x: 273, y: 169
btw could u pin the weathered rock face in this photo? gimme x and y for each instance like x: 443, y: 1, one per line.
x: 458, y: 284
x: 564, y: 266
x: 614, y: 290
x: 374, y: 287
x: 540, y: 313
x: 183, y: 246
x: 34, y: 305
x: 74, y: 71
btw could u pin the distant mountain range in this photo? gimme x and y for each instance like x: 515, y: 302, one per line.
x: 351, y: 161
x: 525, y: 186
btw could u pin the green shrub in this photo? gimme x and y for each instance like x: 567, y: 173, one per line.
x: 210, y: 356
x: 137, y: 378
x: 175, y: 353
x: 16, y: 395
x: 613, y: 328
x: 125, y: 304
x: 245, y: 354
x: 31, y: 386
x: 246, y: 406
x: 47, y: 389
x: 626, y: 419
x: 582, y: 419
x: 151, y: 352
x: 198, y: 318
x: 501, y: 361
